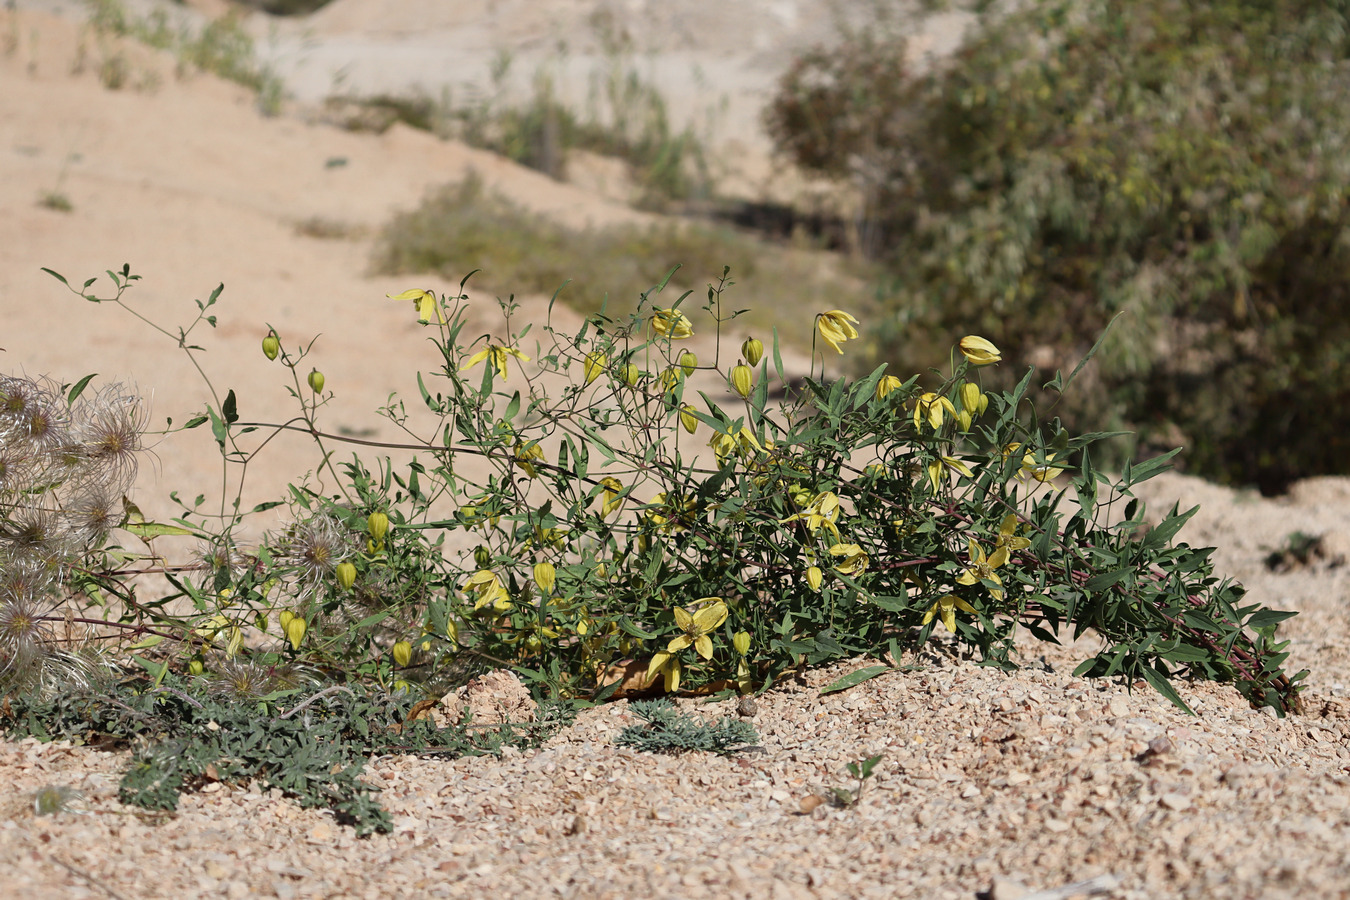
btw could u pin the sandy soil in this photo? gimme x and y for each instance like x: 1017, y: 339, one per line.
x: 994, y: 782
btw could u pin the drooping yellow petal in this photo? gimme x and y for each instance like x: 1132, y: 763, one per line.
x: 978, y: 350
x: 703, y: 646
x: 835, y: 327
x: 671, y: 323
x: 426, y: 304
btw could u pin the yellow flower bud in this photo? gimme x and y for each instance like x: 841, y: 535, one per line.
x: 970, y: 398
x: 688, y: 419
x: 978, y: 350
x: 814, y: 577
x: 546, y: 576
x: 963, y: 420
x: 195, y: 667
x: 482, y: 557
x: 670, y: 378
x: 630, y: 375
x: 595, y: 364
x: 741, y: 641
x: 752, y: 350
x: 742, y: 379
x: 452, y: 631
x: 346, y: 575
x: 295, y: 631
x: 402, y: 654
x: 688, y: 362
x: 316, y: 381
x: 377, y: 524
x: 285, y: 617
x: 271, y: 346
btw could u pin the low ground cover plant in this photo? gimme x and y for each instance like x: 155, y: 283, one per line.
x: 620, y: 529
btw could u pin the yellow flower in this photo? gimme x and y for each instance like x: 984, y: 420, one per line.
x: 695, y: 628
x: 595, y: 364
x: 823, y: 510
x: 402, y: 654
x: 744, y: 441
x: 667, y: 523
x: 613, y: 488
x: 346, y: 575
x: 295, y: 629
x: 835, y: 327
x: 630, y: 374
x: 1007, y: 535
x: 972, y: 400
x: 664, y: 662
x: 1040, y: 471
x: 886, y: 385
x: 853, y: 559
x: 497, y: 354
x: 946, y: 607
x: 742, y: 380
x: 933, y: 408
x: 671, y: 323
x: 979, y: 351
x: 688, y: 362
x: 426, y: 304
x: 489, y: 590
x: 935, y: 474
x: 741, y: 642
x: 814, y: 577
x: 525, y: 456
x: 982, y: 568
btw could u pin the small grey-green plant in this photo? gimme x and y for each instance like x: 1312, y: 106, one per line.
x: 666, y: 729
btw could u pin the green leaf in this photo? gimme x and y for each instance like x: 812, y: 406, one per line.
x: 229, y: 409
x: 1164, y: 687
x: 1168, y: 527
x: 195, y: 421
x: 854, y: 678
x: 57, y: 275
x: 79, y: 387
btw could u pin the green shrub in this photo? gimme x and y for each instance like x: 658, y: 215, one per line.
x: 618, y: 521
x: 1181, y: 163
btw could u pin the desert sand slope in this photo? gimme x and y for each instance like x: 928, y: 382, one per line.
x: 988, y: 779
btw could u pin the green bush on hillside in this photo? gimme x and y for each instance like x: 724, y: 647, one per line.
x: 1180, y: 163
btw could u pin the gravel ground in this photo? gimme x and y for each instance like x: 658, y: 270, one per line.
x: 990, y: 782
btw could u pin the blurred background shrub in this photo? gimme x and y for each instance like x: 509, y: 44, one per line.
x: 1181, y: 163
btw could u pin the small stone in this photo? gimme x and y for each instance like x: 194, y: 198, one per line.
x: 747, y: 707
x: 1006, y: 889
x: 1175, y: 801
x: 1159, y: 745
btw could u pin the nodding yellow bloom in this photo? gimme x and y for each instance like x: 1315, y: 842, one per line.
x: 973, y: 400
x: 743, y: 442
x: 946, y: 462
x: 835, y: 327
x: 823, y: 510
x: 814, y: 577
x: 946, y: 607
x: 933, y: 408
x: 741, y: 642
x: 426, y: 304
x: 595, y: 364
x: 525, y: 457
x: 613, y: 488
x: 982, y: 568
x: 688, y: 362
x: 295, y: 628
x: 852, y: 558
x: 742, y: 380
x: 488, y: 589
x: 886, y: 385
x: 630, y: 374
x: 677, y: 520
x: 979, y: 351
x: 695, y: 628
x: 752, y: 350
x: 497, y: 355
x: 671, y: 323
x: 402, y: 654
x: 664, y: 662
x: 1040, y: 471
